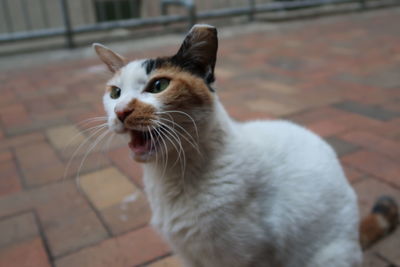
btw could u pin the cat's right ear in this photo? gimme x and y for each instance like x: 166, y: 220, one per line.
x: 198, y: 52
x: 113, y: 60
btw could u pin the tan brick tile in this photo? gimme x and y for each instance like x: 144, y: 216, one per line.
x: 370, y: 259
x: 277, y: 87
x: 122, y: 205
x: 18, y: 228
x: 133, y: 212
x: 389, y: 247
x: 171, y: 261
x: 65, y: 137
x: 107, y: 187
x: 131, y: 249
x: 369, y: 190
x: 374, y: 163
x: 9, y: 178
x: 26, y: 254
x: 122, y: 159
x: 272, y: 108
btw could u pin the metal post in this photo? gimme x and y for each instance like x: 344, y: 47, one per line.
x: 252, y: 8
x: 7, y: 16
x: 69, y: 39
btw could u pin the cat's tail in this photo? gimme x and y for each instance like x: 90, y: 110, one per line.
x: 383, y: 219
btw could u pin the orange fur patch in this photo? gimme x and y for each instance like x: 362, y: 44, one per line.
x: 370, y: 230
x: 185, y: 90
x: 142, y: 114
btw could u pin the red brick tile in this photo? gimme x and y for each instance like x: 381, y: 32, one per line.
x: 15, y: 203
x: 67, y: 219
x: 315, y: 115
x: 9, y: 178
x: 374, y: 163
x: 39, y: 163
x: 358, y: 122
x: 326, y: 128
x: 7, y: 97
x: 5, y: 155
x: 40, y: 105
x: 75, y: 232
x: 367, y: 140
x: 18, y: 228
x: 79, y: 165
x: 131, y: 249
x: 26, y: 254
x: 352, y: 174
x: 122, y: 159
x: 21, y: 140
x: 14, y: 115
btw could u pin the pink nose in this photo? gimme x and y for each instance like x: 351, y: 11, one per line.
x: 123, y: 114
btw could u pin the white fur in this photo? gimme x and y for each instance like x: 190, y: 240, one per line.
x: 260, y: 193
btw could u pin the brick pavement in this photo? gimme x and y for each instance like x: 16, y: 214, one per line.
x: 338, y: 76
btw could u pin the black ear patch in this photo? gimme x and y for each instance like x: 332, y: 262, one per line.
x: 197, y: 54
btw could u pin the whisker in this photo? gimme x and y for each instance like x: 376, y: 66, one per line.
x: 191, y: 142
x: 178, y: 151
x: 94, y: 144
x: 177, y: 139
x: 80, y: 147
x: 166, y: 152
x: 90, y: 120
x: 80, y: 133
x: 183, y: 113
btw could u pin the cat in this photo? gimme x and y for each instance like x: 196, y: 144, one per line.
x: 226, y: 193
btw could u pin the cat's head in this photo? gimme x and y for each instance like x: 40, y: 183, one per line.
x: 161, y: 102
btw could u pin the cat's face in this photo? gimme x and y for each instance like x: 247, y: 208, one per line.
x: 159, y: 103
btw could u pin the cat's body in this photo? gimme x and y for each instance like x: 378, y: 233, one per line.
x: 262, y: 194
x: 230, y: 194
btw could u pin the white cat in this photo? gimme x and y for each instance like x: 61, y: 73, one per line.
x: 225, y: 193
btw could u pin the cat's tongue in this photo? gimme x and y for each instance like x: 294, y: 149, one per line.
x: 139, y: 144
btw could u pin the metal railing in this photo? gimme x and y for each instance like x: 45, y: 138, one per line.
x: 28, y: 19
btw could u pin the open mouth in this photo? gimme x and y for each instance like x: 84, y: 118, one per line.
x: 143, y: 142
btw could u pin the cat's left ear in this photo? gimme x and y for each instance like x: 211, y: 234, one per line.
x: 198, y: 52
x: 113, y: 60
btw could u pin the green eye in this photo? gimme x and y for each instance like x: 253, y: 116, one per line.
x: 115, y: 92
x: 159, y: 86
